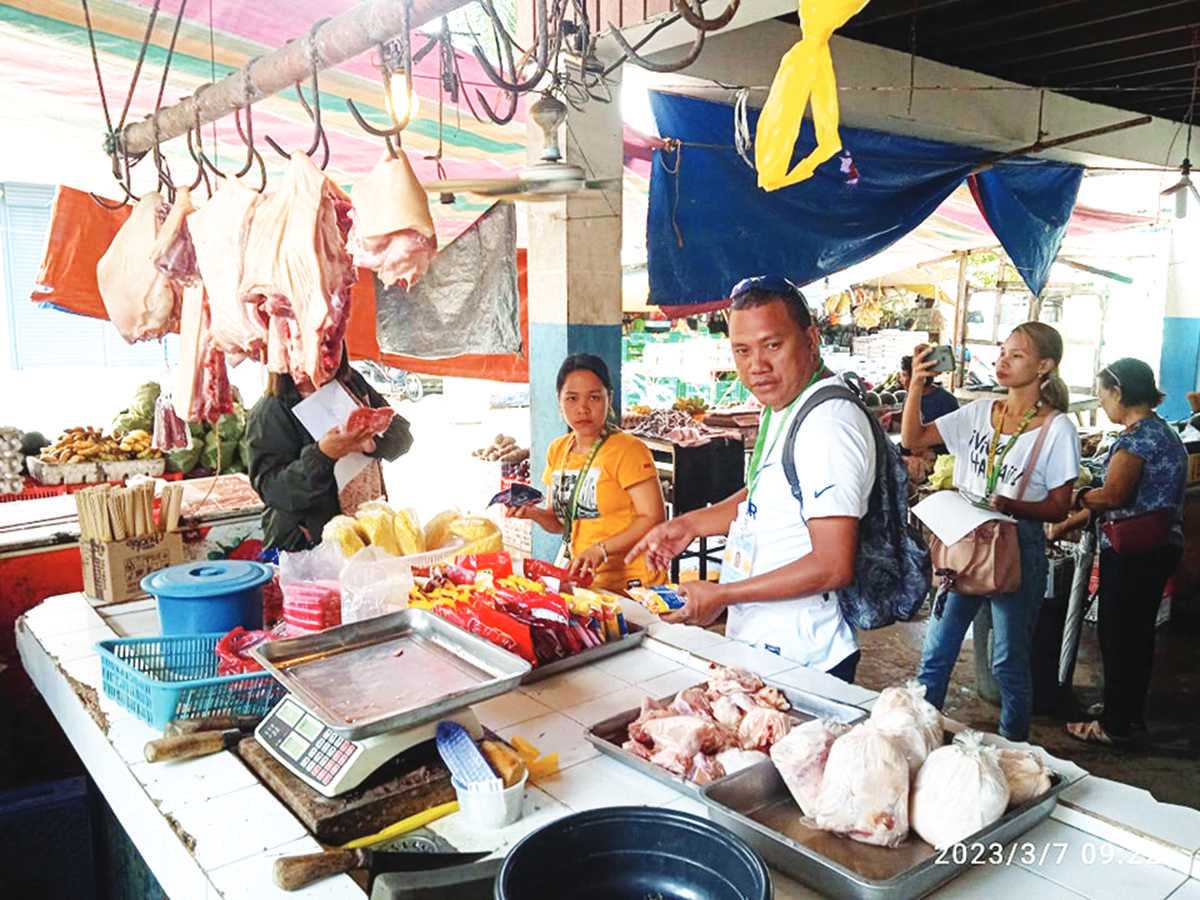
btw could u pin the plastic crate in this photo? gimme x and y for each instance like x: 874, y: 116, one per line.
x: 163, y: 678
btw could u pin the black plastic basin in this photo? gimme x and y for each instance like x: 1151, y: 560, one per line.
x: 633, y: 853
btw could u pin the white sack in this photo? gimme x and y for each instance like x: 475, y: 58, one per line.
x: 958, y: 791
x: 801, y: 756
x: 864, y: 794
x: 903, y: 714
x: 1026, y: 774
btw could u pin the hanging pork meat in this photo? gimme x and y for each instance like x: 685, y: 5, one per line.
x: 297, y: 274
x: 173, y: 253
x: 141, y: 301
x: 202, y: 392
x: 220, y: 231
x: 393, y: 233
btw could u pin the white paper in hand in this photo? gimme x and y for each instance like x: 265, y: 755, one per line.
x: 325, y: 408
x: 952, y: 517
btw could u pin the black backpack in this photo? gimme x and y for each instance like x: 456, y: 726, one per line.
x: 892, y: 572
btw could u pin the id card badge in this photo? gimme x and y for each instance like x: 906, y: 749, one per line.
x: 737, y: 563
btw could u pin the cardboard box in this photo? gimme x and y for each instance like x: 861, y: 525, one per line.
x: 113, y: 571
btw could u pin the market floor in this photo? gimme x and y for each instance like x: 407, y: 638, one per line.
x: 1165, y: 763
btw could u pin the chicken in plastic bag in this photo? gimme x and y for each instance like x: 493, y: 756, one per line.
x: 801, y: 756
x: 960, y: 789
x: 864, y: 794
x: 1026, y: 774
x: 373, y: 584
x: 903, y: 714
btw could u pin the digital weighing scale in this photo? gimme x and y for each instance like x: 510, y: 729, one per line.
x: 330, y: 763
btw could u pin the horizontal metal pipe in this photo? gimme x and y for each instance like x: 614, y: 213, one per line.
x: 355, y: 31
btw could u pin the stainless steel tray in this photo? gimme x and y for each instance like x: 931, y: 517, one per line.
x: 636, y: 635
x: 756, y: 805
x: 608, y: 736
x: 389, y: 673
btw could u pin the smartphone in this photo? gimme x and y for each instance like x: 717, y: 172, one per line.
x: 942, y: 358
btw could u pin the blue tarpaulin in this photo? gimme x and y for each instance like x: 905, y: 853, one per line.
x: 710, y: 225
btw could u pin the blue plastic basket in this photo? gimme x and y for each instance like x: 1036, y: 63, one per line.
x: 163, y: 678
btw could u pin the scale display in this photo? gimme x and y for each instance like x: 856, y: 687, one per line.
x: 329, y: 763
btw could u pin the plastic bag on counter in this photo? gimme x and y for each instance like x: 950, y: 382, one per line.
x: 801, y: 756
x: 864, y: 793
x: 960, y: 789
x: 1026, y: 774
x: 374, y: 583
x: 904, y: 715
x: 233, y: 651
x: 312, y: 594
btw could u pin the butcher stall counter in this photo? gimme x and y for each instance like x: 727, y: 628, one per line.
x: 208, y: 829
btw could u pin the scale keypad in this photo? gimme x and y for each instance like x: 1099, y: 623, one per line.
x: 311, y: 746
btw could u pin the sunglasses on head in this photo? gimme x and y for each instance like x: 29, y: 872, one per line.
x: 769, y: 284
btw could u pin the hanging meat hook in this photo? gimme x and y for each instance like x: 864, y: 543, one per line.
x: 198, y: 153
x: 696, y: 19
x: 387, y: 64
x: 247, y: 136
x: 542, y: 52
x: 314, y: 111
x: 503, y: 46
x: 630, y: 53
x: 160, y: 164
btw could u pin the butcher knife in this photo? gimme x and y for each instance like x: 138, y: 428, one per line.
x: 295, y: 872
x: 191, y: 746
x: 210, y: 723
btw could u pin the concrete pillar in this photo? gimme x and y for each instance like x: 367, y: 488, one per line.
x: 574, y: 275
x: 1179, y: 365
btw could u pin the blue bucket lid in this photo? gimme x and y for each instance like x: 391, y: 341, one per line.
x: 207, y: 578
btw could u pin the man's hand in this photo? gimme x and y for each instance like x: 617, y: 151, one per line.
x: 703, y: 604
x: 662, y: 544
x: 338, y: 442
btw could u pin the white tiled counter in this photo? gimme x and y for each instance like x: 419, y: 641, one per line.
x: 207, y: 829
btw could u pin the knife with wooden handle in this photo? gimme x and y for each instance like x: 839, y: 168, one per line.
x: 294, y: 872
x: 191, y: 746
x: 210, y: 723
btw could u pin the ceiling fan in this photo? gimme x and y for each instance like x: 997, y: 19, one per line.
x: 1182, y: 188
x: 549, y: 179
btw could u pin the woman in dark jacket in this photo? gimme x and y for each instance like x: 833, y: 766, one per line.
x: 293, y: 473
x: 1143, y: 488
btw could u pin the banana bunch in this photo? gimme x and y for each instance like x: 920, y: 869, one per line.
x: 79, y: 445
x: 136, y: 445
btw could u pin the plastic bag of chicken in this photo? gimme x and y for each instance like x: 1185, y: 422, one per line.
x: 864, y: 794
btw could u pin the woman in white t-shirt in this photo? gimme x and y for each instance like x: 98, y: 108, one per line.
x: 991, y: 441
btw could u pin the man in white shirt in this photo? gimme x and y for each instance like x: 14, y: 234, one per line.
x: 784, y: 560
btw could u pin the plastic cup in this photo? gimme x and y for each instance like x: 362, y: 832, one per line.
x: 491, y: 809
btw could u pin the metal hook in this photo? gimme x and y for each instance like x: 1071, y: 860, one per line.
x: 506, y: 48
x: 198, y: 153
x: 695, y: 17
x: 160, y: 164
x: 542, y: 53
x: 248, y: 135
x: 630, y: 53
x: 313, y: 111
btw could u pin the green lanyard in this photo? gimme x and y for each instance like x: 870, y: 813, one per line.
x: 994, y: 464
x: 569, y: 522
x: 764, y: 426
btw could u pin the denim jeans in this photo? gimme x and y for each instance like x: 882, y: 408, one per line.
x: 1013, y: 619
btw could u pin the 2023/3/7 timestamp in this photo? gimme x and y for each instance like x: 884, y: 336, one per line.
x: 1034, y: 853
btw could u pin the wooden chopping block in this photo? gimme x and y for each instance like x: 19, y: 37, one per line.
x: 412, y: 783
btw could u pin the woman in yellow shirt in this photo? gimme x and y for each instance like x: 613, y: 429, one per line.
x: 604, y: 492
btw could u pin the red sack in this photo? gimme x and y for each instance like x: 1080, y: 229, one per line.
x: 233, y: 651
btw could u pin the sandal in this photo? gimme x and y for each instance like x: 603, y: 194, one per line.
x: 1093, y: 733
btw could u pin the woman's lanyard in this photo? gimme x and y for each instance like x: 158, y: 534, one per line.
x: 764, y: 427
x: 569, y: 522
x: 994, y: 465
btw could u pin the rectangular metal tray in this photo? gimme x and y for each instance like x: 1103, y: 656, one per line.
x: 756, y: 805
x: 389, y: 673
x: 608, y: 736
x: 585, y: 657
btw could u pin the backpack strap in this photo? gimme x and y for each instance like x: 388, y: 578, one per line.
x: 825, y: 394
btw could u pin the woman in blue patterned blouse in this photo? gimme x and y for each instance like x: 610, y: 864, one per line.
x: 1144, y: 480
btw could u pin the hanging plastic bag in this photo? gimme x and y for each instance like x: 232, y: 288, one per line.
x: 374, y: 583
x: 960, y: 789
x: 170, y: 431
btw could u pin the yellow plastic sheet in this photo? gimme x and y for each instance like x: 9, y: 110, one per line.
x: 805, y: 73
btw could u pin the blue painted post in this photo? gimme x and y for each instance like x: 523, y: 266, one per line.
x: 1179, y: 365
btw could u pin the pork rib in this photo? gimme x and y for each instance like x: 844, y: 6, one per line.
x: 140, y: 300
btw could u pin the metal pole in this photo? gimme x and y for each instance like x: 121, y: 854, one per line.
x: 960, y: 321
x: 355, y: 31
x: 1039, y: 146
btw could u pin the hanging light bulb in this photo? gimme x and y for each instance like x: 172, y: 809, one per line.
x: 400, y: 97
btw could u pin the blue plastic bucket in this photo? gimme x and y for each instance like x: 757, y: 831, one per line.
x: 208, y: 596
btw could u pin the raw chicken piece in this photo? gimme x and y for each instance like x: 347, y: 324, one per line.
x: 958, y: 791
x: 903, y: 714
x: 734, y: 760
x: 1026, y: 774
x: 637, y: 749
x: 692, y: 702
x: 723, y: 680
x: 772, y: 697
x: 140, y: 300
x: 393, y: 233
x: 220, y: 230
x: 761, y: 727
x: 705, y: 769
x: 173, y: 253
x: 687, y: 734
x: 800, y: 758
x: 298, y: 274
x: 673, y: 759
x: 202, y: 392
x: 864, y: 792
x: 728, y: 711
